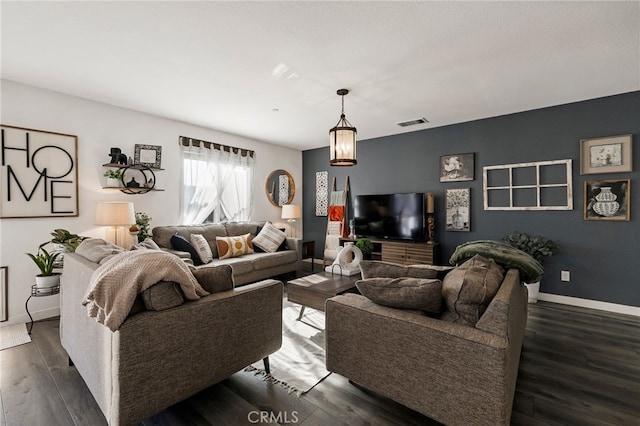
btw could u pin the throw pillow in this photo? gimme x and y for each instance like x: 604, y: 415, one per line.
x: 234, y: 246
x: 147, y: 243
x: 403, y: 293
x: 281, y: 247
x: 179, y: 242
x: 468, y: 289
x: 162, y: 295
x: 201, y: 245
x: 215, y: 279
x: 379, y: 269
x: 269, y: 238
x: 96, y: 249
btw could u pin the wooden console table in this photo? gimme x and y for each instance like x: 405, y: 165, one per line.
x: 404, y: 252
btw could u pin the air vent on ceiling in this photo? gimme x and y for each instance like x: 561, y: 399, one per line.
x: 413, y: 122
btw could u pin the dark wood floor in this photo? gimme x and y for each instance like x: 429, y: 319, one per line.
x: 578, y: 367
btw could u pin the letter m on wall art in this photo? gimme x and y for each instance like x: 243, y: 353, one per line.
x: 38, y: 173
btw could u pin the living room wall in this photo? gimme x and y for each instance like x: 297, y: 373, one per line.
x: 602, y: 256
x: 99, y: 127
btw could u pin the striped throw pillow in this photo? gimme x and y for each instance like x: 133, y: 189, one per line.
x: 269, y: 238
x: 201, y: 245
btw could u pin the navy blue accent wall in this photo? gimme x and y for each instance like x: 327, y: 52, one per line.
x: 602, y: 256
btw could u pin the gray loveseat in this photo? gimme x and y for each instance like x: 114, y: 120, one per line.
x: 454, y: 373
x: 158, y: 358
x: 246, y: 268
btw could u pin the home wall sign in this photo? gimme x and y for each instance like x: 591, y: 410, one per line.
x: 39, y: 173
x: 540, y: 185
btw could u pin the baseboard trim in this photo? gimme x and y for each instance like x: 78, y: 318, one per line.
x: 37, y: 316
x: 593, y: 304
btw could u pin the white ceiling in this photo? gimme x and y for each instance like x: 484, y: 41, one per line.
x: 227, y: 65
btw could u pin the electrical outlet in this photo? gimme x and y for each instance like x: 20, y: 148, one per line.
x: 565, y: 276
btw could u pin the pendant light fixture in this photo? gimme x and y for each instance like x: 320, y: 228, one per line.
x: 342, y: 140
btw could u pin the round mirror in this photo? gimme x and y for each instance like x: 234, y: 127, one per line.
x: 280, y: 188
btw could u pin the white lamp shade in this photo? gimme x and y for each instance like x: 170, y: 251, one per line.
x: 115, y: 214
x: 291, y: 211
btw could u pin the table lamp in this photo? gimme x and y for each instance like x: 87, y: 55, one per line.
x: 291, y: 212
x: 115, y: 214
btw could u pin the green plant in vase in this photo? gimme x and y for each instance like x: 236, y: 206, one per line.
x: 114, y: 177
x: 366, y: 247
x: 537, y: 247
x: 45, y: 261
x: 142, y: 221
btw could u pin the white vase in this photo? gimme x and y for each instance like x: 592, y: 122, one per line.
x: 113, y: 182
x: 48, y: 281
x: 533, y: 289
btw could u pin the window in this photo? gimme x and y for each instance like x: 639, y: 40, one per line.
x: 217, y: 182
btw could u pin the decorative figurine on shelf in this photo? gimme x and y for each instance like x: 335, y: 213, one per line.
x: 117, y: 157
x: 133, y: 184
x: 149, y: 183
x: 130, y: 161
x: 352, y: 230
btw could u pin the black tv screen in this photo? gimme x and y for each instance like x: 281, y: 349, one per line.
x: 391, y: 216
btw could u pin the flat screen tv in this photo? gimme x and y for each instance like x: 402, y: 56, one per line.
x: 390, y: 216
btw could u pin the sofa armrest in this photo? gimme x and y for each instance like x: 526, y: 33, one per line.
x: 295, y: 244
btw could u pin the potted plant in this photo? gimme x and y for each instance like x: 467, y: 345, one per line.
x: 537, y: 247
x: 366, y: 247
x: 114, y: 177
x: 66, y: 239
x: 142, y: 221
x: 45, y: 262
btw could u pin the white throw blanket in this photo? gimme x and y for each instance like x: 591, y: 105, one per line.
x: 115, y: 284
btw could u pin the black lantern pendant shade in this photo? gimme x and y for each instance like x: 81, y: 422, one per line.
x: 342, y: 140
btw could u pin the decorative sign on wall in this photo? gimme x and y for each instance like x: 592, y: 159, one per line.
x: 39, y: 173
x: 322, y: 193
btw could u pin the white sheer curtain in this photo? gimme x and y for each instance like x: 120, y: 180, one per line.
x: 217, y: 182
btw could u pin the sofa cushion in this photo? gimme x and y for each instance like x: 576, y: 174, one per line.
x: 468, y: 289
x: 423, y: 294
x: 162, y: 234
x: 270, y: 260
x: 234, y: 246
x: 379, y: 269
x: 201, y: 245
x: 269, y: 238
x: 509, y: 257
x: 162, y: 295
x: 147, y: 243
x: 179, y: 242
x: 240, y: 265
x: 96, y: 249
x: 241, y: 228
x: 215, y: 279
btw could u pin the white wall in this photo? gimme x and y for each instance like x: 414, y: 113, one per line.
x: 99, y: 127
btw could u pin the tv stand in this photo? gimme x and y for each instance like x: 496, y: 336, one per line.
x: 403, y: 252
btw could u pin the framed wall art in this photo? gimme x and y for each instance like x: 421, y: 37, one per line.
x: 148, y: 155
x: 458, y: 202
x: 39, y: 173
x: 457, y: 167
x: 607, y: 200
x: 606, y: 155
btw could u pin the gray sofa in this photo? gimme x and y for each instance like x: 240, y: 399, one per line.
x: 247, y: 268
x: 158, y: 358
x: 456, y: 374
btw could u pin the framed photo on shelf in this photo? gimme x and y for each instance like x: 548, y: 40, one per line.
x: 611, y: 154
x: 148, y: 155
x: 457, y: 167
x: 458, y: 203
x: 607, y: 200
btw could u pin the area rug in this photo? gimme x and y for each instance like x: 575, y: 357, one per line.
x: 299, y: 365
x: 14, y: 335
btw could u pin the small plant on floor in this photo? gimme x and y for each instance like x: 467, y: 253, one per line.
x: 536, y: 247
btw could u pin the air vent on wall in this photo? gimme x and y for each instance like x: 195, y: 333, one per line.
x: 413, y: 122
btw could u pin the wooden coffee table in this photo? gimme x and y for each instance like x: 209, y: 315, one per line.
x: 312, y: 291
